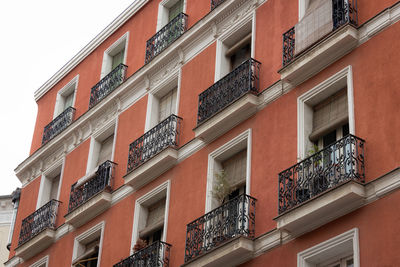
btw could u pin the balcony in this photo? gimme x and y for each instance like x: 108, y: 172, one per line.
x: 215, y: 3
x: 325, y: 49
x: 106, y: 85
x: 154, y: 152
x: 223, y: 236
x: 91, y: 195
x: 156, y: 254
x: 37, y: 231
x: 323, y: 186
x: 166, y: 36
x: 229, y: 101
x: 59, y: 124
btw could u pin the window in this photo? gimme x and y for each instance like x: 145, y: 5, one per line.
x: 168, y: 10
x: 66, y: 97
x: 43, y: 262
x: 234, y: 49
x: 115, y: 55
x: 339, y: 251
x: 50, y: 185
x: 151, y: 215
x: 153, y: 229
x: 101, y: 147
x: 163, y: 101
x: 234, y: 158
x: 87, y: 247
x: 325, y: 113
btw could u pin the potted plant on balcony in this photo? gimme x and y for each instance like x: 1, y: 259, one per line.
x: 222, y: 187
x: 140, y: 244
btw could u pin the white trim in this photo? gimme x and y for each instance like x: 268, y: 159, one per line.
x: 157, y: 193
x: 303, y: 4
x: 71, y: 86
x: 113, y: 49
x: 95, y: 143
x: 55, y: 169
x: 13, y: 262
x: 228, y: 38
x: 90, y: 47
x: 326, y: 88
x: 161, y: 89
x: 330, y: 249
x: 44, y: 260
x: 87, y: 235
x: 163, y: 12
x: 228, y: 149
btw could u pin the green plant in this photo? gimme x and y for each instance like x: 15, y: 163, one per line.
x: 314, y: 149
x: 222, y: 188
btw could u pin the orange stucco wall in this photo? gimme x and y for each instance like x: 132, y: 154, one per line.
x: 274, y: 139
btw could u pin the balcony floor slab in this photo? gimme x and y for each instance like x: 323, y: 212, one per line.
x: 36, y: 245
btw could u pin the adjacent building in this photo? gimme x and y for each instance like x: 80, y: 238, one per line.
x: 220, y: 133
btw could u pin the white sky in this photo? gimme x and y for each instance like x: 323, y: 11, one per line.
x: 36, y: 39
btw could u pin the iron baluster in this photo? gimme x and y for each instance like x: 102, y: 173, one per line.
x: 59, y: 124
x: 160, y: 137
x: 102, y: 180
x: 106, y: 85
x: 232, y: 219
x: 242, y: 80
x: 338, y: 163
x: 166, y: 36
x: 156, y: 254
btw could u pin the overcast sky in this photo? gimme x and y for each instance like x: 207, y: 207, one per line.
x: 37, y: 38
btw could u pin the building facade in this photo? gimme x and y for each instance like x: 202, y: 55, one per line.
x: 220, y: 133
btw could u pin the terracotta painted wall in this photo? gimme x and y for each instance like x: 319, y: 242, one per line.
x: 378, y: 237
x: 193, y: 82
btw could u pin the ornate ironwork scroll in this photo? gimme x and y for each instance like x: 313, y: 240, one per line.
x: 166, y: 36
x: 102, y: 180
x: 156, y: 254
x: 232, y: 219
x: 59, y: 124
x: 106, y: 85
x: 242, y: 80
x: 340, y: 162
x: 42, y: 219
x: 288, y: 46
x: 163, y: 135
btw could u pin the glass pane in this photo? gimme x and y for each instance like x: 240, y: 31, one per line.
x: 350, y: 263
x: 118, y: 59
x: 175, y: 10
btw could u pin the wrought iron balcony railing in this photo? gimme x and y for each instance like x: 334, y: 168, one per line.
x: 232, y: 219
x: 344, y: 11
x: 340, y: 162
x: 42, y: 219
x: 106, y: 85
x: 166, y: 36
x: 215, y: 3
x: 240, y: 81
x: 154, y: 255
x: 102, y: 180
x: 59, y: 124
x: 163, y: 135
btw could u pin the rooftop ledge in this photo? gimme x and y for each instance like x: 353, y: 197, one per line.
x: 322, y: 209
x: 320, y: 55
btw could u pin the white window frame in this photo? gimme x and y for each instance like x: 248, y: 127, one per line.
x: 240, y: 142
x: 39, y: 263
x: 231, y: 36
x: 306, y: 101
x: 334, y: 248
x: 88, y: 235
x: 154, y: 95
x: 70, y: 87
x: 46, y: 181
x: 140, y: 214
x: 95, y: 144
x: 116, y: 47
x: 163, y: 12
x: 303, y: 4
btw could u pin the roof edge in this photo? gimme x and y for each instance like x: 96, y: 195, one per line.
x: 90, y: 47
